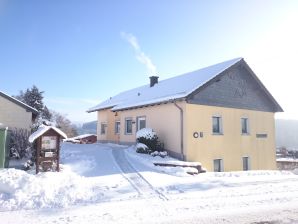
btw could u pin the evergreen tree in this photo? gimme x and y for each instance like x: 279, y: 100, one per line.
x: 46, y: 114
x: 32, y: 97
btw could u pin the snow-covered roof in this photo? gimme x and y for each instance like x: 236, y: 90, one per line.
x: 20, y: 103
x: 81, y: 136
x: 165, y: 90
x: 43, y: 129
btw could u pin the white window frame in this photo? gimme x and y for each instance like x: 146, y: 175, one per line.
x: 125, y: 131
x: 143, y: 118
x: 247, y: 126
x: 219, y: 123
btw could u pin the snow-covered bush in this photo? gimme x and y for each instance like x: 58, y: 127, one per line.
x: 142, y: 148
x: 158, y: 153
x: 148, y: 137
x: 19, y: 145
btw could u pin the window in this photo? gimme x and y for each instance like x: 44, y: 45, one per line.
x: 244, y: 125
x: 117, y: 127
x: 261, y: 135
x: 246, y: 163
x: 141, y: 123
x: 103, y: 128
x: 216, y: 125
x: 128, y: 126
x: 218, y: 165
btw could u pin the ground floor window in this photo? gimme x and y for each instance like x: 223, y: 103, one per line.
x: 128, y: 126
x: 103, y: 127
x: 141, y: 123
x: 246, y: 163
x: 117, y: 127
x: 218, y: 165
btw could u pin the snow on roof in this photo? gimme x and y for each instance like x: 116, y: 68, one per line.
x: 166, y: 90
x: 43, y: 129
x: 33, y: 110
x: 81, y: 136
x: 84, y: 136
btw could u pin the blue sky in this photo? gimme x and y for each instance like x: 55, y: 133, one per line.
x: 82, y: 52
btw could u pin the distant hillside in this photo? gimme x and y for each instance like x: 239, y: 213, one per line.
x: 286, y: 133
x: 87, y: 128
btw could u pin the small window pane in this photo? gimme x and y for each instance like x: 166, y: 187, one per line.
x: 128, y: 126
x: 103, y: 128
x: 244, y: 124
x: 141, y: 123
x: 216, y: 124
x: 218, y: 165
x: 245, y: 161
x: 117, y: 127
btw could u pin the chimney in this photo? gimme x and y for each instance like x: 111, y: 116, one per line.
x: 153, y: 80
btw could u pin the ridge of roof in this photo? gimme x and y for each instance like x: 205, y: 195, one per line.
x: 20, y: 103
x: 173, y: 88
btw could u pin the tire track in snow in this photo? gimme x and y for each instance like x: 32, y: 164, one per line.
x: 142, y: 186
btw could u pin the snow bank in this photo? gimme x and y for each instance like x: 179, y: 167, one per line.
x: 139, y: 161
x: 21, y: 190
x: 87, y: 175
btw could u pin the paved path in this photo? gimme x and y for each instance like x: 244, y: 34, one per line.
x: 142, y: 186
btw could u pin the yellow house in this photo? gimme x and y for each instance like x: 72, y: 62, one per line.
x: 221, y: 116
x: 15, y: 114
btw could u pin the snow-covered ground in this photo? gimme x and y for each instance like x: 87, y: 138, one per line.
x: 106, y: 183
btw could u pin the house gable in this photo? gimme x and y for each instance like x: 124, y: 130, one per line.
x: 19, y: 103
x: 236, y: 87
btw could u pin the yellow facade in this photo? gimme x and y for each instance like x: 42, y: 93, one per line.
x: 164, y: 119
x: 231, y: 145
x: 13, y: 115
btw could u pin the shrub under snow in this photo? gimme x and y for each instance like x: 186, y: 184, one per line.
x: 157, y: 153
x: 141, y: 148
x: 149, y: 138
x: 146, y: 133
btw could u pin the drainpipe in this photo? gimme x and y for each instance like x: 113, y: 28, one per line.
x: 181, y: 128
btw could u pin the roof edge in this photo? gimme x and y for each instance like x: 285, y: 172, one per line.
x: 243, y: 62
x: 208, y: 82
x: 149, y: 104
x: 18, y: 102
x: 276, y: 104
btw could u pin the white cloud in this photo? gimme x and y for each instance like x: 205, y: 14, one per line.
x: 140, y: 55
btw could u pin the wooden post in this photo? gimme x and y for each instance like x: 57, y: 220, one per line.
x: 58, y: 153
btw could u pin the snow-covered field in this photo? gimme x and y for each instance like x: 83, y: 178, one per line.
x: 106, y: 183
